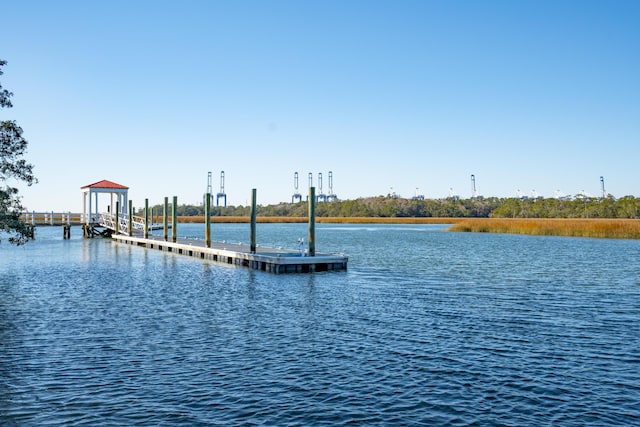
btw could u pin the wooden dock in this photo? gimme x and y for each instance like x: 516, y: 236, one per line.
x: 121, y: 225
x: 272, y: 260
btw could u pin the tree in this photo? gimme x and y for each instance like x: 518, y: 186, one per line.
x: 13, y: 167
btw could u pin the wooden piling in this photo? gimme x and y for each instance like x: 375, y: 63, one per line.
x: 312, y: 221
x: 117, y: 222
x: 207, y: 220
x: 146, y: 218
x: 130, y: 222
x: 253, y: 220
x: 165, y: 218
x: 174, y: 219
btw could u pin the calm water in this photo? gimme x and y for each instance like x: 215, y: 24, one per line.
x: 425, y: 328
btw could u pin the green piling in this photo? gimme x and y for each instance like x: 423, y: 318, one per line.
x: 165, y: 218
x: 130, y: 218
x: 253, y: 220
x: 312, y: 221
x: 207, y: 220
x: 174, y: 219
x: 146, y: 218
x: 117, y: 220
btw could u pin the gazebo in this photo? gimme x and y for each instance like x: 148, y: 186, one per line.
x: 118, y: 193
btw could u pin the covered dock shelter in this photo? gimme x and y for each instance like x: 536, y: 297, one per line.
x: 90, y: 206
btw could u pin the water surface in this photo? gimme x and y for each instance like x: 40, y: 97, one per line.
x: 425, y: 328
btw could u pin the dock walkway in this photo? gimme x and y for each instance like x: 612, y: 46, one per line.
x: 272, y: 260
x: 126, y: 228
x: 52, y: 218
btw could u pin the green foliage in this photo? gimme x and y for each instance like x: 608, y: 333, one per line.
x: 626, y: 207
x: 389, y: 207
x: 12, y: 167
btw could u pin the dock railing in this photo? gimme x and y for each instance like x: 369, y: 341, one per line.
x: 53, y: 218
x: 109, y: 221
x: 69, y: 218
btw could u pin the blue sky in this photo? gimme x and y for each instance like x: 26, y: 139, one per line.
x: 388, y: 95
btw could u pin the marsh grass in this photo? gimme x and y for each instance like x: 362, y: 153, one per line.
x: 329, y: 220
x: 240, y: 219
x: 385, y: 220
x: 600, y: 228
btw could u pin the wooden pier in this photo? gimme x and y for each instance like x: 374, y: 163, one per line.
x: 119, y: 224
x: 53, y: 218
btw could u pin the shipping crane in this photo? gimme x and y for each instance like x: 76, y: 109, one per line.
x: 221, y: 194
x: 296, y: 195
x: 331, y: 196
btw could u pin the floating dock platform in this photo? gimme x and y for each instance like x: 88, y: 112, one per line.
x: 272, y: 260
x: 126, y: 228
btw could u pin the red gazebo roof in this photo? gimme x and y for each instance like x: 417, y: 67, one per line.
x: 105, y: 184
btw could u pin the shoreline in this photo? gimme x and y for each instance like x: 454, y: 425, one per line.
x: 329, y: 220
x: 569, y: 227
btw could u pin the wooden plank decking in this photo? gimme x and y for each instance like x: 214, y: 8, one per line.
x: 273, y: 260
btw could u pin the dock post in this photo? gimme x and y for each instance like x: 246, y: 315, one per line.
x: 174, y: 219
x: 253, y: 220
x: 117, y: 221
x: 146, y: 218
x: 165, y: 218
x: 207, y: 220
x: 130, y: 230
x: 312, y: 221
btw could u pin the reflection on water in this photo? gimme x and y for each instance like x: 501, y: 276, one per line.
x: 426, y: 327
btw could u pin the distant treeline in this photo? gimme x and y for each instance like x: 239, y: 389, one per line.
x: 387, y: 207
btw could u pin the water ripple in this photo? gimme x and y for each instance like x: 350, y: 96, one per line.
x: 447, y: 330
